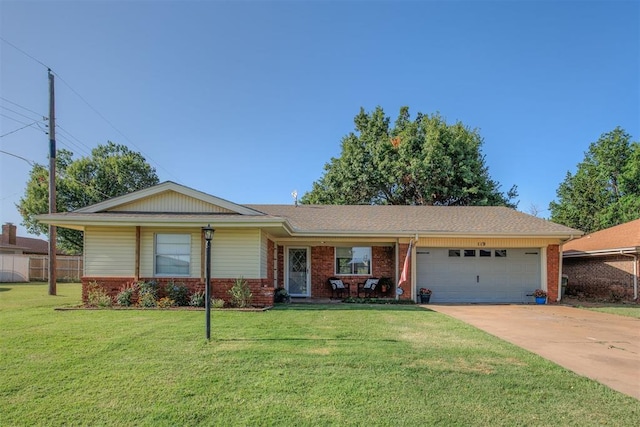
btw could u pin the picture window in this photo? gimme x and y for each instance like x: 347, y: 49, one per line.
x: 353, y: 260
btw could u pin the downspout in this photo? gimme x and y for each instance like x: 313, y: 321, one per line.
x: 635, y: 273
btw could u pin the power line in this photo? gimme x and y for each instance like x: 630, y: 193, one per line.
x: 64, y: 137
x: 19, y: 114
x: 113, y: 126
x: 31, y: 162
x: 24, y: 53
x: 73, y: 137
x: 21, y: 106
x: 59, y: 174
x: 16, y: 130
x: 90, y: 106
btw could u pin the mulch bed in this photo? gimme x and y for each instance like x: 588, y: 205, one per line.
x: 82, y: 307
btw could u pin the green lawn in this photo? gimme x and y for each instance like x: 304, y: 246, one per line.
x: 331, y: 365
x: 629, y: 311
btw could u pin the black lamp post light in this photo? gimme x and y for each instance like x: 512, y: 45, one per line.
x: 208, y: 235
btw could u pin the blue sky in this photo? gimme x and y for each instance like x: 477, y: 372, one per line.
x: 248, y: 100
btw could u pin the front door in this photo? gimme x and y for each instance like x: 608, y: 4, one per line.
x: 298, y: 272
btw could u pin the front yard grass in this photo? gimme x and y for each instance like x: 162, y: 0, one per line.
x: 321, y: 365
x: 628, y: 309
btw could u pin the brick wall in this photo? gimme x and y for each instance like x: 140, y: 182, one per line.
x: 261, y: 289
x: 594, y: 276
x: 553, y: 272
x: 323, y: 267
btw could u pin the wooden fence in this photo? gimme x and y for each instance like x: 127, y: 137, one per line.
x: 68, y: 268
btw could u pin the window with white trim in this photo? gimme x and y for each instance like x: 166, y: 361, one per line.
x: 353, y: 260
x: 172, y: 254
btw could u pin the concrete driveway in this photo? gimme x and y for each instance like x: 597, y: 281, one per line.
x: 603, y: 347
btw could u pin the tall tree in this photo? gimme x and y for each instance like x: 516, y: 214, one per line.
x: 423, y: 161
x: 605, y: 190
x: 111, y: 170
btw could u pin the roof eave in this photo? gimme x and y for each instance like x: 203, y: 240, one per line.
x: 240, y: 221
x: 601, y: 252
x: 428, y: 234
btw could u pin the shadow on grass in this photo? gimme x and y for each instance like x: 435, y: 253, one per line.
x: 368, y: 340
x: 5, y: 289
x: 354, y: 307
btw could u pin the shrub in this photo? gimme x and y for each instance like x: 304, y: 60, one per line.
x: 281, y: 295
x: 240, y: 293
x: 179, y: 293
x: 147, y: 294
x: 166, y: 302
x: 197, y: 299
x: 217, y: 303
x: 617, y: 293
x: 97, y: 296
x: 125, y: 296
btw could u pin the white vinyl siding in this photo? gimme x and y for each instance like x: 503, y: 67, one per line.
x: 109, y: 251
x: 264, y: 254
x: 237, y: 253
x: 170, y: 201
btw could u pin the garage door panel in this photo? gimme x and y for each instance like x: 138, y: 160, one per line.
x: 479, y: 279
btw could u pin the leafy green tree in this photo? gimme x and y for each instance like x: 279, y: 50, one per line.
x: 423, y: 161
x: 605, y: 190
x: 111, y: 170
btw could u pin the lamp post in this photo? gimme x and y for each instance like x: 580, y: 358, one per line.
x: 208, y: 235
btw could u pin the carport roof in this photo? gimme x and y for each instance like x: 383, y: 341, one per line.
x: 621, y: 237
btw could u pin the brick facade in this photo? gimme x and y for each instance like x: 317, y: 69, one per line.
x: 594, y: 277
x: 323, y: 267
x: 553, y: 272
x: 261, y: 289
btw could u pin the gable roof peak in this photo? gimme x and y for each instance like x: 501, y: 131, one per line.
x: 164, y: 187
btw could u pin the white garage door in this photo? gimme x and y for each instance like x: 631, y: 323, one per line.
x: 479, y: 275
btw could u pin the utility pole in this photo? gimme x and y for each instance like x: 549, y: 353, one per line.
x: 52, y: 185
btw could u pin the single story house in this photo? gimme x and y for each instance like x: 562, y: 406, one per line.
x: 463, y: 254
x: 12, y: 244
x: 605, y: 261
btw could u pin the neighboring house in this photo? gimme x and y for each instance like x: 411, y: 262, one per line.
x: 464, y: 254
x: 602, y: 262
x: 11, y: 244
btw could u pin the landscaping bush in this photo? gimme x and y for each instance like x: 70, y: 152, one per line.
x: 217, y: 303
x: 281, y: 295
x: 240, y: 293
x: 197, y: 299
x: 125, y: 296
x: 166, y: 302
x: 97, y: 296
x: 147, y: 294
x: 178, y: 292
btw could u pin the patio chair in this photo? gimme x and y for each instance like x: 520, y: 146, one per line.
x: 368, y: 287
x: 338, y: 288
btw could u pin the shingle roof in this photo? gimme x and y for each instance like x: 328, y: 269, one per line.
x: 29, y: 245
x: 621, y: 236
x: 410, y: 219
